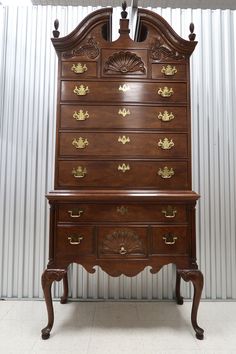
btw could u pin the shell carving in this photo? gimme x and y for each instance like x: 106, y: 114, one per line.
x: 124, y: 62
x: 124, y: 239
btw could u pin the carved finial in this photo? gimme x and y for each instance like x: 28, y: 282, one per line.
x: 192, y: 35
x: 56, y: 33
x: 124, y: 13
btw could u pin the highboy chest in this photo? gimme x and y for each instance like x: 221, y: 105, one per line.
x: 122, y: 198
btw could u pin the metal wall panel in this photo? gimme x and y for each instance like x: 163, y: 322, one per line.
x: 28, y: 69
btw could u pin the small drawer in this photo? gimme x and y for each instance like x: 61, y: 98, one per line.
x: 78, y: 69
x: 169, y: 71
x: 74, y: 240
x: 122, y: 242
x: 170, y: 213
x: 170, y: 240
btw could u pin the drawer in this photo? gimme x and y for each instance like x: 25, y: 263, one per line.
x: 169, y: 71
x: 121, y: 212
x: 74, y: 240
x: 171, y: 239
x: 78, y: 69
x: 122, y: 242
x: 123, y: 144
x: 122, y: 173
x: 123, y: 91
x: 123, y: 116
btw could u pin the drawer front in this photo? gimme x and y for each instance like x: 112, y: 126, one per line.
x: 78, y: 69
x: 123, y: 144
x: 74, y: 240
x: 170, y: 240
x: 123, y: 116
x: 122, y: 242
x: 121, y: 212
x: 122, y: 173
x: 116, y: 91
x: 169, y: 71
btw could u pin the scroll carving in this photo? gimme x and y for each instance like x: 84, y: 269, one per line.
x: 90, y: 49
x: 124, y: 62
x: 123, y: 240
x: 160, y: 51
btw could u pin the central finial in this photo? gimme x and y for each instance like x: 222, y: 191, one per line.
x: 124, y: 13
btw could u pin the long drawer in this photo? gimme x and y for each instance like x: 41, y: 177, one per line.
x: 79, y: 212
x: 120, y: 144
x: 122, y: 117
x: 122, y: 173
x: 123, y: 91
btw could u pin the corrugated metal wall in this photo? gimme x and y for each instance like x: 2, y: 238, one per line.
x: 27, y: 127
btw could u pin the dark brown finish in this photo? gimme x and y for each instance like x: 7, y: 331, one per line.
x: 123, y: 198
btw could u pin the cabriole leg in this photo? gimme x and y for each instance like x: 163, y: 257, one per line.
x: 196, y: 277
x: 179, y: 298
x: 48, y: 277
x: 64, y: 297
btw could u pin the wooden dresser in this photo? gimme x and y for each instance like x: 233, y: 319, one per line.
x: 122, y: 198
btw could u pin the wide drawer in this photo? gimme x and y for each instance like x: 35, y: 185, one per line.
x: 122, y: 173
x: 169, y: 71
x: 114, y: 91
x: 122, y: 242
x: 170, y: 240
x: 120, y: 144
x: 74, y: 240
x: 78, y: 212
x: 123, y: 116
x: 78, y: 69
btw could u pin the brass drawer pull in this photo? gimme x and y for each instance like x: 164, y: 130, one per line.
x: 81, y: 91
x: 124, y: 139
x: 169, y: 70
x: 123, y: 167
x: 75, y: 213
x: 169, y: 212
x: 122, y: 210
x: 122, y: 250
x: 124, y: 88
x: 79, y: 68
x: 75, y: 239
x: 81, y: 115
x: 80, y: 143
x: 165, y: 116
x: 165, y: 91
x: 79, y: 172
x: 123, y: 112
x: 166, y: 172
x: 169, y: 239
x: 166, y: 144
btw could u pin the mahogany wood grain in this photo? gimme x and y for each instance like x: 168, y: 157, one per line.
x: 108, y: 91
x: 139, y: 117
x: 128, y: 144
x: 107, y: 205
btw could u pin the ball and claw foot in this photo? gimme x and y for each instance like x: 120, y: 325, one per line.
x: 63, y: 300
x: 180, y: 300
x: 199, y: 333
x: 46, y: 333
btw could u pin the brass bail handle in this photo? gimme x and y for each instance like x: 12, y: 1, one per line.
x: 75, y: 213
x: 75, y: 239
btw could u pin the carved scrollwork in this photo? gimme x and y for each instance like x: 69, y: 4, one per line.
x: 124, y: 62
x: 160, y: 51
x: 122, y: 242
x: 89, y: 49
